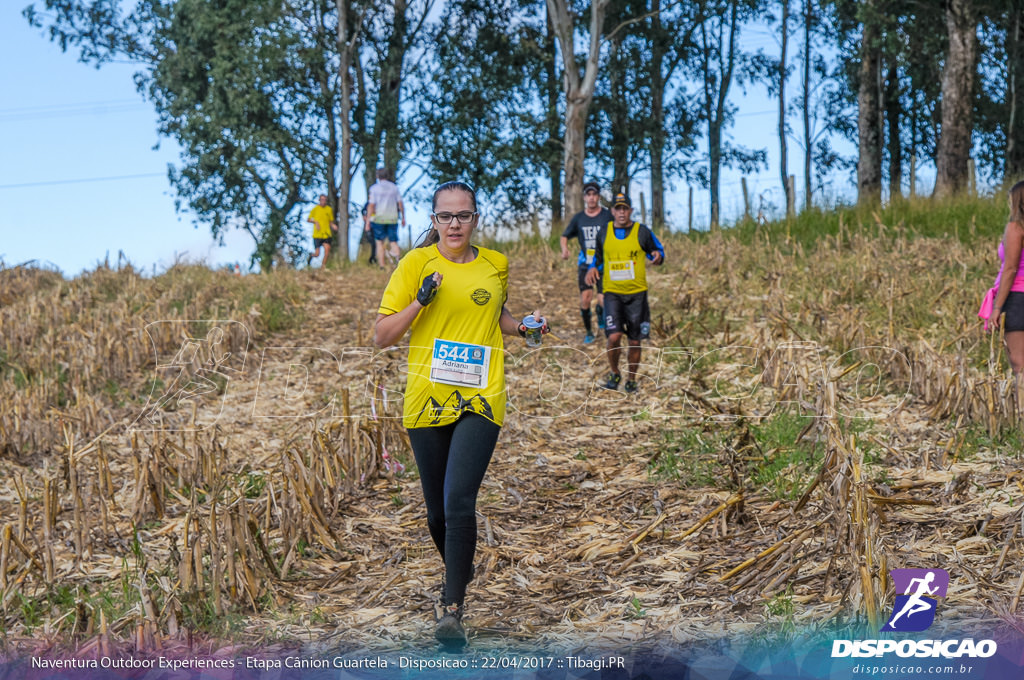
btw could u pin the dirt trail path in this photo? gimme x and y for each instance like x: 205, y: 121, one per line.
x: 606, y: 520
x: 579, y: 544
x: 567, y: 486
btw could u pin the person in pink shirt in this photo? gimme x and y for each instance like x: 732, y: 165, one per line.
x: 1006, y: 297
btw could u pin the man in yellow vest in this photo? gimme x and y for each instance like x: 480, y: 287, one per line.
x: 620, y: 259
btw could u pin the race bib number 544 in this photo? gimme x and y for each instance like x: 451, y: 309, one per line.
x: 460, y: 363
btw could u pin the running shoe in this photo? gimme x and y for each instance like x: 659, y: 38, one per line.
x: 612, y: 381
x: 631, y: 386
x: 588, y: 338
x: 449, y: 631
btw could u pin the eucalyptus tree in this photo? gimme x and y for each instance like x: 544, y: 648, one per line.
x: 719, y: 60
x: 620, y: 121
x: 869, y: 104
x: 388, y: 74
x: 238, y: 84
x: 635, y: 124
x: 265, y: 98
x: 774, y: 71
x: 578, y: 88
x: 1012, y: 21
x: 670, y: 27
x: 486, y: 119
x: 999, y: 103
x: 815, y: 88
x: 958, y: 79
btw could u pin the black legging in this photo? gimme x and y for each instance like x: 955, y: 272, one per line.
x: 452, y: 460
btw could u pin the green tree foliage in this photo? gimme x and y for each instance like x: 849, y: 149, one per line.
x: 484, y: 119
x: 720, y: 62
x: 630, y: 131
x: 250, y: 89
x: 238, y: 85
x: 999, y: 106
x: 499, y: 93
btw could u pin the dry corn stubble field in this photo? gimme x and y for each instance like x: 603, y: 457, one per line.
x: 198, y: 461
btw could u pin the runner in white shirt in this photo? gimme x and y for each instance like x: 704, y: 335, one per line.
x: 384, y: 209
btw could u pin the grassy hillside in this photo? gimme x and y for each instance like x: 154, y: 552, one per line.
x: 203, y: 456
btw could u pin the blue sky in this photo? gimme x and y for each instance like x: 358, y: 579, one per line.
x: 85, y: 173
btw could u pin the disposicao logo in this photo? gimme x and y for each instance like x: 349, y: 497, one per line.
x: 914, y: 611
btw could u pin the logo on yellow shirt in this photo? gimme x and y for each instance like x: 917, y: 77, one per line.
x: 481, y: 296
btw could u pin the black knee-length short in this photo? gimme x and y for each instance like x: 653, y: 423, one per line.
x: 1014, y: 310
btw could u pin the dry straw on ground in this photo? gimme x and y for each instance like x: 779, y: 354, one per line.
x: 204, y: 460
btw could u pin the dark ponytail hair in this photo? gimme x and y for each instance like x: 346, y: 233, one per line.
x: 1017, y: 204
x: 430, y: 236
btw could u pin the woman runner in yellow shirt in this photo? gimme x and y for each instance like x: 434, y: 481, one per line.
x: 451, y: 295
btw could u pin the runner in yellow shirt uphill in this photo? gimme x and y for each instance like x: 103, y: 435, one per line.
x: 451, y: 295
x: 622, y: 250
x: 324, y: 226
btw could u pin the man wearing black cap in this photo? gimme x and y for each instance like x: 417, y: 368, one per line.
x: 584, y: 226
x: 623, y: 272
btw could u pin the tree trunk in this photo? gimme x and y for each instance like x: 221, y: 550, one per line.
x: 390, y: 88
x: 869, y: 115
x: 783, y: 149
x: 893, y: 110
x: 1014, y: 165
x: 954, y: 147
x: 715, y: 161
x: 808, y: 141
x: 579, y: 91
x: 554, y: 140
x: 714, y: 103
x: 618, y: 116
x: 572, y: 159
x: 368, y: 140
x: 657, y: 143
x: 346, y: 49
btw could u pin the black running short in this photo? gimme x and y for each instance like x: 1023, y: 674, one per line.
x: 629, y: 314
x: 1014, y: 310
x: 317, y: 242
x: 582, y: 279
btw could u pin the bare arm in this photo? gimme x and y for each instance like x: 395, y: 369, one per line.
x: 390, y: 328
x: 401, y: 210
x: 507, y: 323
x: 565, y: 247
x: 1013, y: 241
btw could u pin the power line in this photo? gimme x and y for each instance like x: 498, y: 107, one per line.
x: 58, y: 107
x: 82, y: 111
x: 81, y: 180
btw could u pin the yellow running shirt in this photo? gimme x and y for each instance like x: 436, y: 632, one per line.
x: 456, y: 352
x: 323, y: 216
x: 625, y: 262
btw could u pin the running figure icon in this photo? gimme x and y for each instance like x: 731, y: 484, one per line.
x: 916, y: 605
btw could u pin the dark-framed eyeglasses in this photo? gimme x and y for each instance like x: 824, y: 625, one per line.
x: 446, y: 218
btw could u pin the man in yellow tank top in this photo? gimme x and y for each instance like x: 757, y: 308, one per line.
x: 623, y: 248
